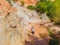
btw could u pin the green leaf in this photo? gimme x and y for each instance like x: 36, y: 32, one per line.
x: 31, y: 7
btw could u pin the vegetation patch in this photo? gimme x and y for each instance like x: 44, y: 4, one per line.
x: 52, y: 9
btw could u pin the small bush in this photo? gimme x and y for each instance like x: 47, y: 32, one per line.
x: 44, y: 6
x: 52, y: 9
x: 15, y: 0
x: 54, y: 40
x: 22, y: 3
x: 41, y: 7
x: 31, y: 7
x: 57, y: 12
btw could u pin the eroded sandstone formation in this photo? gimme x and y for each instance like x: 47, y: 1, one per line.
x: 16, y: 22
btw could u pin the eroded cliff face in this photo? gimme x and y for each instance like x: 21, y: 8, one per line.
x: 14, y: 23
x: 9, y: 25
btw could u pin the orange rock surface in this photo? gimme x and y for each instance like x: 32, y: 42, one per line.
x: 29, y: 1
x: 5, y: 7
x: 39, y: 29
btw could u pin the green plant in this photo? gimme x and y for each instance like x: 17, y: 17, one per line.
x: 15, y: 0
x: 41, y: 7
x: 57, y: 11
x: 52, y: 9
x: 31, y: 7
x: 22, y: 2
x: 53, y: 40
